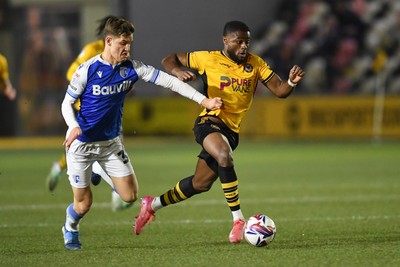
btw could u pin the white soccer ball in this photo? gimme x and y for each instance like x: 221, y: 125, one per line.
x: 260, y: 230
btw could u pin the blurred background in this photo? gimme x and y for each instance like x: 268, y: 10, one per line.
x: 349, y: 49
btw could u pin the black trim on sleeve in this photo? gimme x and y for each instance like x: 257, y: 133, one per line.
x: 188, y: 60
x: 268, y: 78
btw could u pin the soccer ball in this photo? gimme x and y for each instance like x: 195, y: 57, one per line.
x: 260, y: 230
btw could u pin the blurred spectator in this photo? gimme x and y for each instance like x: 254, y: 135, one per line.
x: 342, y: 44
x: 42, y: 79
x: 6, y: 86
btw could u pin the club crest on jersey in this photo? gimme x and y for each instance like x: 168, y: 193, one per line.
x: 123, y: 72
x: 248, y: 68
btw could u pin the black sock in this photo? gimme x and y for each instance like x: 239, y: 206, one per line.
x: 183, y: 190
x: 229, y: 183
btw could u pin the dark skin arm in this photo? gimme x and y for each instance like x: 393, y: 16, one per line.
x: 174, y: 63
x: 282, y: 89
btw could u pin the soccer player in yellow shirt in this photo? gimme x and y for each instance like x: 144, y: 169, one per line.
x: 89, y: 50
x: 5, y: 84
x: 231, y: 74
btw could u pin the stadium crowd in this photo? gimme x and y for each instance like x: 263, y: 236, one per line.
x: 343, y: 45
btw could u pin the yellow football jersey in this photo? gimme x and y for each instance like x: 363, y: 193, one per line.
x: 90, y: 50
x: 4, y: 75
x: 234, y: 83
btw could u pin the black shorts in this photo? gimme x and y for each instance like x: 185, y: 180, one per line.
x: 203, y: 126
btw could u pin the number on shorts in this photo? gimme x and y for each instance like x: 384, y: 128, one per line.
x: 123, y: 156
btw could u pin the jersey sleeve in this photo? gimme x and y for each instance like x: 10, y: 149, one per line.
x: 196, y: 60
x: 3, y: 68
x: 78, y: 82
x: 68, y: 112
x: 145, y: 72
x: 265, y: 71
x: 155, y: 76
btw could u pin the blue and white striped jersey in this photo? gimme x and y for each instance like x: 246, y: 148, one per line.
x: 102, y: 88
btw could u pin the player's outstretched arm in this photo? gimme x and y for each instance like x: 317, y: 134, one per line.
x: 174, y: 64
x: 163, y: 79
x: 283, y: 89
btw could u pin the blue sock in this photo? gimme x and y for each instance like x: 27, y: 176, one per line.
x: 72, y: 219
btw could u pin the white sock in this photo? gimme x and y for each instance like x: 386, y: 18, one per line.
x: 156, y: 204
x: 237, y: 214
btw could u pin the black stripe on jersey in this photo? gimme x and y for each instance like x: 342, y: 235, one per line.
x: 205, y: 83
x: 188, y: 60
x: 268, y: 78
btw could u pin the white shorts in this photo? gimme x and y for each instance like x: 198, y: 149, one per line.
x: 111, y: 156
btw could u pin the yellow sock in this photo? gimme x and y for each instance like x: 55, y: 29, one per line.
x: 63, y: 162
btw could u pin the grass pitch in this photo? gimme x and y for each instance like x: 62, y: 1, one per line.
x: 334, y: 204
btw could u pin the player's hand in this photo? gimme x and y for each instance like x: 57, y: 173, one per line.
x: 185, y: 75
x: 10, y: 92
x: 296, y: 74
x: 73, y: 134
x: 212, y: 103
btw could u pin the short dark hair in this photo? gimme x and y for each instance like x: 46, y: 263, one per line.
x: 101, y: 25
x: 234, y: 26
x: 117, y: 26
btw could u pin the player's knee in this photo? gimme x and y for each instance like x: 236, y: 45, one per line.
x: 225, y: 158
x: 130, y: 198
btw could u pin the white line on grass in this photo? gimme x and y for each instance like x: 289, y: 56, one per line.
x: 209, y: 221
x: 208, y: 202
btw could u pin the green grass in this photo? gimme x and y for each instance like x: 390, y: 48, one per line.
x: 334, y: 204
